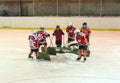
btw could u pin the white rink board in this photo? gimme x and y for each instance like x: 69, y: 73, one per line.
x: 28, y: 22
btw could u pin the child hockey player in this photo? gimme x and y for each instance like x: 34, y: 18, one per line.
x: 58, y: 35
x: 86, y: 30
x: 42, y: 34
x: 33, y: 42
x: 82, y: 43
x: 70, y: 31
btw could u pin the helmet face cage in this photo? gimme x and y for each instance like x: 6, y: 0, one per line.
x: 77, y: 31
x: 70, y: 24
x: 84, y: 24
x: 57, y: 27
x: 41, y: 27
x: 80, y: 33
x: 33, y: 32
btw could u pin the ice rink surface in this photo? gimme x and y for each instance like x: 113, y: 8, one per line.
x: 102, y: 66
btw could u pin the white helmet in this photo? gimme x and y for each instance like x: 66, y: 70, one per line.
x: 42, y: 27
x: 70, y: 24
x: 33, y: 32
x: 77, y: 31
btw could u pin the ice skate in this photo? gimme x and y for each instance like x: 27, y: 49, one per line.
x: 85, y: 59
x: 78, y: 58
x: 30, y: 57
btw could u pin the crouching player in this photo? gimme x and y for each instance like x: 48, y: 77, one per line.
x: 42, y: 34
x: 58, y: 35
x: 33, y: 42
x: 82, y: 43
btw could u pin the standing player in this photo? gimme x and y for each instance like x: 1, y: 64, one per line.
x: 82, y: 42
x: 86, y: 30
x: 33, y: 42
x: 42, y: 34
x: 58, y: 35
x: 70, y: 31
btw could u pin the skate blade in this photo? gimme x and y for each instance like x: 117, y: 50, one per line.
x: 83, y: 61
x: 30, y: 59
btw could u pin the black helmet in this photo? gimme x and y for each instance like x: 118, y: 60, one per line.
x: 84, y: 23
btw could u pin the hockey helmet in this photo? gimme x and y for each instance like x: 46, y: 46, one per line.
x: 84, y: 24
x: 70, y: 24
x: 57, y: 27
x: 77, y: 31
x: 42, y: 27
x: 33, y: 32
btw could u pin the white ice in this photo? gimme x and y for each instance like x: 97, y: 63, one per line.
x: 102, y: 66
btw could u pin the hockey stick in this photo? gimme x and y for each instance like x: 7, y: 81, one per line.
x: 51, y: 41
x: 65, y: 43
x: 63, y: 40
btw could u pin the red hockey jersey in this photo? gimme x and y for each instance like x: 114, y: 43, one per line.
x: 70, y: 31
x: 81, y: 39
x: 58, y: 34
x: 86, y: 30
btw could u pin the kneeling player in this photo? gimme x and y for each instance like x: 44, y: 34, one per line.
x: 33, y: 42
x: 82, y: 42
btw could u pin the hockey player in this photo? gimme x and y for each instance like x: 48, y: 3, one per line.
x: 86, y: 30
x: 42, y: 34
x: 33, y: 42
x: 70, y: 31
x: 58, y: 35
x: 82, y: 43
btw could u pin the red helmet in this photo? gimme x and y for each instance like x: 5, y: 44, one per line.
x: 57, y: 27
